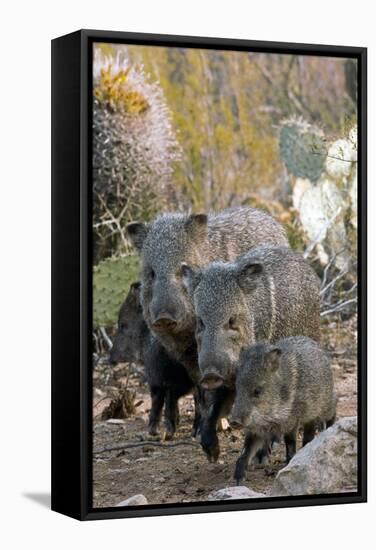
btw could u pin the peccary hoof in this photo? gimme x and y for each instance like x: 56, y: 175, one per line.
x: 153, y: 430
x: 168, y: 435
x: 239, y: 474
x: 212, y: 451
x: 195, y: 431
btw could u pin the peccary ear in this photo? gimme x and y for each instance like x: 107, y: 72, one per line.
x: 274, y: 357
x: 191, y: 277
x: 249, y: 273
x: 197, y: 226
x: 135, y: 287
x: 137, y: 232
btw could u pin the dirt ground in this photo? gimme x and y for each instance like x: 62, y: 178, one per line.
x: 182, y: 473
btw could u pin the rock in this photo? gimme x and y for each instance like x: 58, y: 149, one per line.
x: 341, y: 156
x: 115, y: 421
x: 328, y: 464
x: 136, y: 500
x: 232, y: 493
x: 224, y: 424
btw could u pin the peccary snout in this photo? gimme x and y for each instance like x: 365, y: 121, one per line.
x: 163, y: 323
x: 211, y: 381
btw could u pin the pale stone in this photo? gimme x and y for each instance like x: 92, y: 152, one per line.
x: 328, y: 464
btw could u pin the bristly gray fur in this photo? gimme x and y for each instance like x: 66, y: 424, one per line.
x: 297, y: 391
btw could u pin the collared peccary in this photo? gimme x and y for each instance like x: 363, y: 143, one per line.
x: 280, y: 388
x: 196, y: 239
x: 168, y: 380
x: 267, y: 294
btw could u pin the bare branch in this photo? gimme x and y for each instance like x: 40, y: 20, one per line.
x: 105, y: 337
x: 339, y: 307
x: 144, y: 444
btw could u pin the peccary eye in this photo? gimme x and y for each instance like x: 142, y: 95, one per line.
x: 152, y: 274
x: 257, y: 392
x: 124, y: 326
x: 232, y: 324
x: 200, y: 324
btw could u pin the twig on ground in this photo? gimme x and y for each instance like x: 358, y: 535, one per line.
x: 144, y: 444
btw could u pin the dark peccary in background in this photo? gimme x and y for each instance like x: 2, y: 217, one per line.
x: 279, y: 388
x: 168, y: 380
x: 196, y: 239
x: 269, y: 293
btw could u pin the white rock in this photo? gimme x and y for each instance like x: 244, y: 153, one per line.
x: 328, y: 464
x: 136, y: 500
x: 232, y: 493
x: 321, y: 211
x: 300, y: 187
x: 115, y: 421
x: 339, y: 161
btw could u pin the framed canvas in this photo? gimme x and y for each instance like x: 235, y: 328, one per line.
x: 208, y: 274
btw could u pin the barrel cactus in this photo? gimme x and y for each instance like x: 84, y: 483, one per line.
x: 302, y: 148
x: 134, y: 149
x: 111, y: 281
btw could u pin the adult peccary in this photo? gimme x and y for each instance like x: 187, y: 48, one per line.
x: 168, y: 380
x: 267, y: 294
x: 280, y: 388
x: 195, y: 239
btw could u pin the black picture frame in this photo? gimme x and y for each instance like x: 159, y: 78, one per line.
x: 72, y: 265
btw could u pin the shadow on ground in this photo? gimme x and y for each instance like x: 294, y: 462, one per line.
x: 43, y: 499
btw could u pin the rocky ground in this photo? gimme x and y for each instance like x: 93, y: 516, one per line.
x: 181, y: 473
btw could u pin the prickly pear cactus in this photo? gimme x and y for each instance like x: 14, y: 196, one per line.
x: 111, y: 281
x: 302, y: 149
x: 327, y: 208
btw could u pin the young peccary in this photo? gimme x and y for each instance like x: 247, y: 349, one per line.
x: 280, y: 388
x: 267, y: 294
x: 168, y: 380
x: 197, y: 240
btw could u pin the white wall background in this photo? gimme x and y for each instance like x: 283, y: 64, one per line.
x: 27, y: 28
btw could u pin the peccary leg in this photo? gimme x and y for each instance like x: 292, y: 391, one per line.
x: 252, y: 444
x: 290, y: 442
x: 171, y: 413
x: 308, y: 432
x: 197, y: 418
x: 214, y: 404
x: 157, y: 400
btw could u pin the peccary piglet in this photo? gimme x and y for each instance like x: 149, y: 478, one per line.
x: 167, y: 379
x: 280, y: 388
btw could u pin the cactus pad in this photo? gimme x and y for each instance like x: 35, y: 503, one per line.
x: 111, y: 281
x: 303, y: 150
